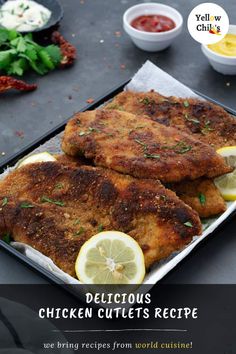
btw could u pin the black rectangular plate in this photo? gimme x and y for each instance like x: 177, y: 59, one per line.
x: 12, y: 160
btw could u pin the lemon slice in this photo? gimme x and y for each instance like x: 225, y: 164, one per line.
x: 229, y: 153
x: 227, y: 183
x: 41, y: 157
x: 110, y: 257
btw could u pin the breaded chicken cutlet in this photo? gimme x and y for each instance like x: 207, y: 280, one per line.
x: 55, y: 208
x: 203, y: 120
x: 139, y: 147
x: 201, y: 194
x: 206, y: 121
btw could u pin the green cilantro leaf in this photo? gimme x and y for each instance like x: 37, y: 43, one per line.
x: 38, y: 67
x: 46, y: 60
x: 12, y: 34
x: 55, y: 54
x: 31, y: 53
x: 18, y: 53
x: 3, y: 35
x: 6, y: 58
x: 18, y: 67
x: 21, y: 46
x: 29, y: 37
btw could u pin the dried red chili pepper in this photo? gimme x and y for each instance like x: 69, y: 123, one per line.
x: 67, y: 49
x: 8, y: 83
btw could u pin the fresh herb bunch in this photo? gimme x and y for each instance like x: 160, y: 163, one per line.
x: 19, y: 53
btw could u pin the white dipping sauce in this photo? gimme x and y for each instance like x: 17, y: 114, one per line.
x: 23, y: 15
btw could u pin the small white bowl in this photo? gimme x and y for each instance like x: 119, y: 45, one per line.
x: 152, y: 41
x: 223, y: 64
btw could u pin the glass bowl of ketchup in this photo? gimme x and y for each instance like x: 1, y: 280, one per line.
x: 152, y: 26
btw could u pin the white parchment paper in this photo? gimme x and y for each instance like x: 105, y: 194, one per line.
x: 147, y: 78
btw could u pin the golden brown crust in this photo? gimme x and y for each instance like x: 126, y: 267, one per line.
x: 171, y: 111
x: 208, y: 122
x: 201, y: 195
x: 188, y: 191
x: 87, y: 198
x: 72, y: 160
x: 139, y: 147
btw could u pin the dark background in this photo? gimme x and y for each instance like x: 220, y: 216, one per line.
x: 212, y: 332
x: 107, y: 57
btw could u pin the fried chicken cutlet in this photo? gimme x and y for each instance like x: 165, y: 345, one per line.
x: 200, y: 194
x: 206, y: 121
x: 175, y: 112
x: 139, y: 147
x: 55, y: 208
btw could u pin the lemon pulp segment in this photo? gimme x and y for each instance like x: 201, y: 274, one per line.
x: 110, y: 257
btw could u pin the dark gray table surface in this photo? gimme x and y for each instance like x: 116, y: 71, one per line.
x: 106, y: 57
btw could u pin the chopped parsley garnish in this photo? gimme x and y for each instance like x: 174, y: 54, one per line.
x: 7, y: 238
x: 24, y: 7
x: 163, y: 197
x: 145, y: 100
x: 26, y: 205
x: 141, y: 143
x: 81, y: 133
x: 100, y: 228
x: 188, y: 224
x: 206, y: 129
x: 45, y: 199
x: 186, y: 104
x: 115, y: 106
x: 151, y: 156
x: 145, y: 153
x: 202, y: 198
x: 77, y: 222
x: 78, y: 233
x: 59, y: 186
x: 180, y: 148
x: 91, y: 129
x: 4, y: 201
x: 193, y: 120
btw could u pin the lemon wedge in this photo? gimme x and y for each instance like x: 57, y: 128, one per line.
x: 110, y: 257
x: 229, y: 153
x: 40, y: 157
x: 227, y: 183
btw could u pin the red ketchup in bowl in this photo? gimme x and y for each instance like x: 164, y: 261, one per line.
x: 153, y: 23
